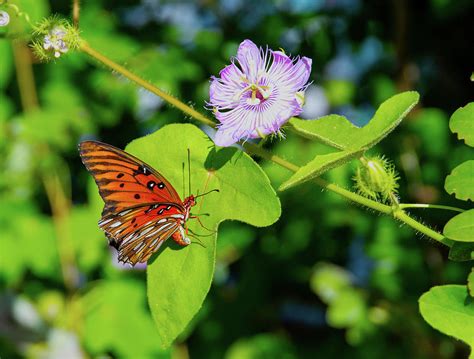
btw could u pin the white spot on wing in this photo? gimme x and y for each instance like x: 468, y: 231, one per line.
x: 146, y: 230
x: 104, y: 221
x: 116, y: 224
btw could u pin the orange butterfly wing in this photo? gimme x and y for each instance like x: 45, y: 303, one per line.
x: 123, y: 179
x: 142, y: 209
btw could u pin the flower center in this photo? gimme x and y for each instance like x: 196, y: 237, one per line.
x: 258, y: 93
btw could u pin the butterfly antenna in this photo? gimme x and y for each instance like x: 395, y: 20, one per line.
x: 205, y: 193
x: 189, y: 170
x: 184, y: 186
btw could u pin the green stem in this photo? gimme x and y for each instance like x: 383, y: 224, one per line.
x: 76, y: 8
x: 145, y: 84
x: 404, y: 217
x: 25, y: 76
x: 434, y: 206
x: 397, y: 213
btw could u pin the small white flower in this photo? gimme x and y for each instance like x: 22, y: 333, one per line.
x: 4, y: 18
x: 55, y: 41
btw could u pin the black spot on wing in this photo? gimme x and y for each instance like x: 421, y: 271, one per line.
x: 142, y: 170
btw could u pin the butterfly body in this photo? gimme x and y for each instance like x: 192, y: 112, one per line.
x: 142, y: 209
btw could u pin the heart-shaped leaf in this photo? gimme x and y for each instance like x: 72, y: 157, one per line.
x: 449, y: 309
x: 462, y: 123
x: 461, y: 181
x: 461, y: 227
x: 179, y: 278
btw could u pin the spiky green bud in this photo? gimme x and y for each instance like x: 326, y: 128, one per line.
x: 376, y: 178
x: 54, y: 37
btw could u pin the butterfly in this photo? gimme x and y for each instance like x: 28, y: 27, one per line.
x: 142, y: 209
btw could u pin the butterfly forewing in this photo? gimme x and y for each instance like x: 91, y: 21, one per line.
x: 142, y: 209
x: 123, y: 179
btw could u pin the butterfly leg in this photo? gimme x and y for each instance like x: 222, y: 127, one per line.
x: 202, y: 225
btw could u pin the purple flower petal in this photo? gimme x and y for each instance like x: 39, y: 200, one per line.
x: 250, y: 58
x: 259, y: 95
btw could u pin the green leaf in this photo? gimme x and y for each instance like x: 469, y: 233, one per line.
x: 88, y: 239
x: 461, y: 251
x: 449, y: 309
x: 431, y: 127
x: 462, y: 123
x: 338, y: 132
x: 116, y: 319
x: 461, y: 181
x: 318, y: 166
x: 470, y: 283
x: 329, y: 281
x: 262, y: 346
x: 333, y: 130
x: 347, y: 310
x: 179, y: 278
x: 461, y: 227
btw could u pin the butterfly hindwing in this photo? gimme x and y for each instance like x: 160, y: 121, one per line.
x: 139, y: 231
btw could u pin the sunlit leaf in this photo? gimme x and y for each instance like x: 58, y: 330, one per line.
x: 340, y: 133
x: 449, y: 309
x: 116, y: 319
x: 461, y: 227
x: 179, y: 278
x: 318, y: 166
x: 461, y: 181
x: 462, y: 123
x: 336, y: 131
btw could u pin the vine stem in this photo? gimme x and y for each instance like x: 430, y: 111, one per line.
x: 24, y: 74
x: 434, y: 206
x: 395, y: 211
x: 147, y: 85
x: 76, y: 8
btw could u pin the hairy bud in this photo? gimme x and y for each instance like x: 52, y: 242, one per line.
x: 376, y: 178
x: 54, y: 37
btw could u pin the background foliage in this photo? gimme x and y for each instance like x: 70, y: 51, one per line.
x: 329, y: 279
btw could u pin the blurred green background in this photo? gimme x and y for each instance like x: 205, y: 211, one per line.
x: 328, y: 280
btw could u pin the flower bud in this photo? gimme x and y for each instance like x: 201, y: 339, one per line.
x: 376, y: 178
x: 54, y: 37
